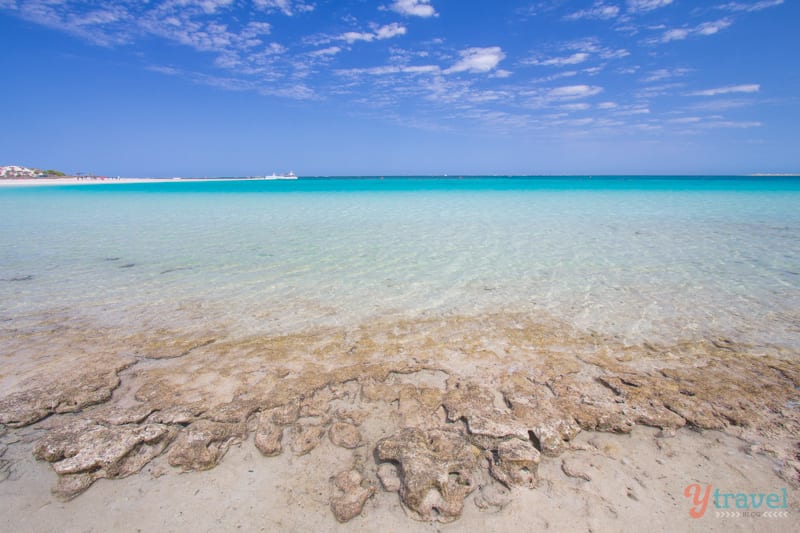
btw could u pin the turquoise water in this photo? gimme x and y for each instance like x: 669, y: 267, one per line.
x: 643, y: 259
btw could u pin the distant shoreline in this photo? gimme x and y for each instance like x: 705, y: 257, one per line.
x: 33, y: 182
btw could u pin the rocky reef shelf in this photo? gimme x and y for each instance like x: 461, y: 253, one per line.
x: 437, y: 412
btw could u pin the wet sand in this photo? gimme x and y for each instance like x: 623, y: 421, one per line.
x: 483, y: 421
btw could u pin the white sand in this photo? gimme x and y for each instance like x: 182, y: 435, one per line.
x: 637, y: 483
x: 108, y: 181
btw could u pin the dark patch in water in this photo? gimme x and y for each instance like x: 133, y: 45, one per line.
x: 19, y: 278
x: 169, y: 270
x: 111, y: 259
x: 129, y: 265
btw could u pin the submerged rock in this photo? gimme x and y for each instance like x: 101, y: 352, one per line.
x: 436, y: 470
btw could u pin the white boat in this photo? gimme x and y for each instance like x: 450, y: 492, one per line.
x: 289, y: 176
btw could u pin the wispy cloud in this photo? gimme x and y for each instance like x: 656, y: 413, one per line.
x: 731, y: 89
x: 599, y: 10
x: 478, y: 60
x: 415, y: 8
x: 574, y: 92
x: 574, y: 59
x: 380, y: 33
x: 665, y: 73
x: 750, y: 7
x: 287, y: 7
x: 706, y: 28
x: 643, y: 6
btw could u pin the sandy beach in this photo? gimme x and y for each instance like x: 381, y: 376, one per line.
x: 475, y: 422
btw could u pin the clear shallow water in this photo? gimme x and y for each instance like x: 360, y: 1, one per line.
x: 644, y: 259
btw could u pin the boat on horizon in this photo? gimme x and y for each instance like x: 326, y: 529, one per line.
x: 283, y: 176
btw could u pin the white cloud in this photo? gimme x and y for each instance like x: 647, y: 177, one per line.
x: 757, y: 6
x: 353, y: 36
x: 706, y: 28
x: 574, y: 59
x: 415, y: 8
x: 573, y: 92
x: 665, y: 73
x: 390, y: 69
x: 685, y: 120
x: 710, y: 28
x: 598, y: 11
x: 607, y: 105
x: 390, y: 30
x: 675, y: 35
x: 582, y: 106
x: 383, y: 32
x: 287, y: 7
x: 478, y: 60
x: 325, y: 52
x: 642, y: 6
x: 749, y: 88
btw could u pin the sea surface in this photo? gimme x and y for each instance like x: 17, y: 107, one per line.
x: 641, y: 259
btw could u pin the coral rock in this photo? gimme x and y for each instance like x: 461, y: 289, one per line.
x: 85, y: 451
x: 203, y: 444
x: 436, y: 469
x: 268, y: 435
x: 349, y: 495
x: 516, y: 463
x: 306, y: 437
x: 345, y: 435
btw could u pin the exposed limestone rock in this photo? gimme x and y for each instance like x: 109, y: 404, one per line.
x: 202, y: 444
x: 436, y: 468
x: 85, y: 451
x: 232, y: 412
x: 90, y: 383
x: 475, y: 405
x: 516, y: 463
x: 116, y: 417
x: 286, y: 414
x: 318, y: 404
x: 268, y: 435
x: 178, y: 414
x: 345, y: 435
x: 349, y: 495
x: 390, y: 480
x: 306, y: 437
x: 417, y: 406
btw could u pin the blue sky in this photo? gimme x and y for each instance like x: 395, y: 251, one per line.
x: 356, y: 87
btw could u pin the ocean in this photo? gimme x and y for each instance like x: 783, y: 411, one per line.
x: 642, y: 260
